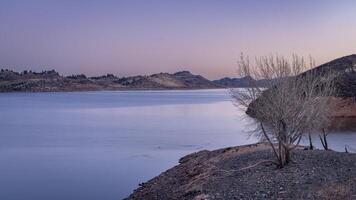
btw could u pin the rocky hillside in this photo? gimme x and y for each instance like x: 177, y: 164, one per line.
x: 240, y: 82
x: 51, y: 81
x: 234, y: 173
x: 345, y: 98
x: 346, y: 82
x: 234, y: 82
x: 180, y: 80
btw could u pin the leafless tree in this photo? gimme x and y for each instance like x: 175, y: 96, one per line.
x: 290, y: 103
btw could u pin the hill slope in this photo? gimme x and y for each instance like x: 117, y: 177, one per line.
x: 344, y: 102
x: 47, y: 81
x: 51, y: 81
x: 179, y: 80
x: 240, y: 82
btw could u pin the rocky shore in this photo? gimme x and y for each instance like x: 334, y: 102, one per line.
x: 244, y: 172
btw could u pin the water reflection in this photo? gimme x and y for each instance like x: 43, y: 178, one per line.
x: 100, y: 145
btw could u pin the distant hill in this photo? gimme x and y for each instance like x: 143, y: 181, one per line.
x: 233, y: 82
x: 179, y: 80
x: 196, y: 81
x: 240, y: 82
x: 51, y: 81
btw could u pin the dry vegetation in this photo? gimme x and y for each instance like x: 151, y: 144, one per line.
x: 291, y: 106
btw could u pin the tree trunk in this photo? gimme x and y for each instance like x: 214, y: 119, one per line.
x: 311, y: 147
x: 284, y: 155
x: 323, y: 140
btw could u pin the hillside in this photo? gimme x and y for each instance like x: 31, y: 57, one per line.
x: 240, y: 82
x: 346, y: 82
x: 233, y: 82
x: 344, y: 101
x: 51, y: 81
x: 179, y: 80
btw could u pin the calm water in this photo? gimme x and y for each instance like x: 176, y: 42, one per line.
x: 100, y: 145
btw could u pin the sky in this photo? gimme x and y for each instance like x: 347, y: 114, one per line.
x: 150, y: 36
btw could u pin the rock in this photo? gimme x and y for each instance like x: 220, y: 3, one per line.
x: 215, y: 175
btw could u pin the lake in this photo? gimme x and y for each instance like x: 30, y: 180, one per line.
x: 101, y: 145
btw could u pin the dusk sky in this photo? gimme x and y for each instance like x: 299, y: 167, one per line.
x: 144, y: 37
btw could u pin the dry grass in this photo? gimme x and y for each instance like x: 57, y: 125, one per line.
x: 336, y: 191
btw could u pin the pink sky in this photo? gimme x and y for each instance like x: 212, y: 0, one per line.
x: 145, y: 37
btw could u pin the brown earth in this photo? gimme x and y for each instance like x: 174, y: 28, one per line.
x: 343, y: 114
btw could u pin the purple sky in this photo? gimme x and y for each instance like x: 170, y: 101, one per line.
x: 143, y: 37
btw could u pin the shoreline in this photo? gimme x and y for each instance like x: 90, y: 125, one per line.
x: 113, y: 90
x: 224, y: 174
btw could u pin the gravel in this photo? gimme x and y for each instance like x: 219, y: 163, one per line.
x: 220, y: 174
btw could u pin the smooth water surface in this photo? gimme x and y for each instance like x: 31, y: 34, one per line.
x: 101, y: 145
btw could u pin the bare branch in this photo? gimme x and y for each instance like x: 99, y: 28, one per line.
x: 293, y: 101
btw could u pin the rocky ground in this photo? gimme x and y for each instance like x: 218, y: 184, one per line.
x: 227, y: 174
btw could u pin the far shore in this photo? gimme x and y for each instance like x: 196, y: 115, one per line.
x: 118, y: 90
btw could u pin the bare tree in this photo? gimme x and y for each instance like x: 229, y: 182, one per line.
x: 290, y: 104
x: 323, y: 139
